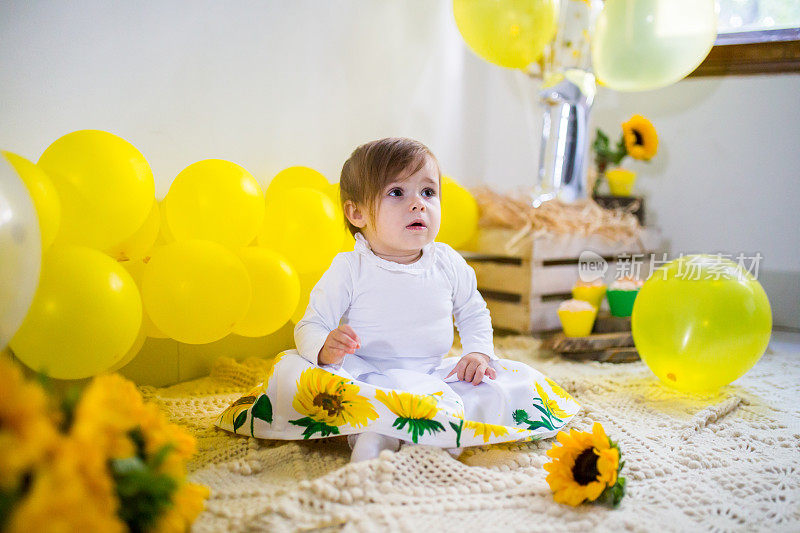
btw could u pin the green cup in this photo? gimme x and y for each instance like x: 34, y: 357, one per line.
x: 621, y: 302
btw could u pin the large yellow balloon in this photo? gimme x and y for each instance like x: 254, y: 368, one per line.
x: 215, y: 200
x: 135, y: 268
x: 701, y: 322
x: 195, y: 291
x: 509, y: 33
x: 640, y: 45
x: 302, y: 225
x: 459, y: 214
x: 137, y: 245
x: 348, y: 241
x: 165, y: 236
x: 276, y: 291
x: 105, y: 186
x: 133, y: 351
x: 307, y: 282
x: 43, y: 194
x: 84, y: 318
x: 298, y: 176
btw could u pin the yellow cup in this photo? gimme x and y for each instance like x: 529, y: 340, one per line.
x: 620, y: 181
x: 577, y: 323
x: 589, y: 293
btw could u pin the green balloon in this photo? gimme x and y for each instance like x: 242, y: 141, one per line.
x: 640, y: 45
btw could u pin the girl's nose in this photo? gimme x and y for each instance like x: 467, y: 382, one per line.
x: 416, y: 203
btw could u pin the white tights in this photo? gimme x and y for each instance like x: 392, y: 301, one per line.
x: 369, y: 445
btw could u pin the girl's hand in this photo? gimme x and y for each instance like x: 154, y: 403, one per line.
x: 472, y: 367
x: 341, y: 341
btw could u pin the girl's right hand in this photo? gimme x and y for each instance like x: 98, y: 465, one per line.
x: 341, y: 341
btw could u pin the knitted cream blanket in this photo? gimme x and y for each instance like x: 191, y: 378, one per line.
x: 723, y: 462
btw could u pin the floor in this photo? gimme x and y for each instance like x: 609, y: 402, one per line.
x: 785, y: 341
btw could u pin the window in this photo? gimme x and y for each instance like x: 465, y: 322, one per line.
x: 755, y: 37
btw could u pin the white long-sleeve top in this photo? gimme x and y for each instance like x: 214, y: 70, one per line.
x: 403, y: 314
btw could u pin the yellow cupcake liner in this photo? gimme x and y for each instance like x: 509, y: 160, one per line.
x: 593, y: 293
x: 577, y: 323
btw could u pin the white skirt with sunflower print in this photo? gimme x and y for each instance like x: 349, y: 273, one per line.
x: 298, y: 400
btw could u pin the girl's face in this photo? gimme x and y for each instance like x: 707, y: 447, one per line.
x: 408, y: 214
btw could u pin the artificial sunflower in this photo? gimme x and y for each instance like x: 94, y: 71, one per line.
x: 416, y: 410
x: 585, y: 467
x: 329, y: 401
x: 27, y: 429
x: 641, y: 140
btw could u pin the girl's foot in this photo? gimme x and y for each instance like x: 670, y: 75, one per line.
x: 369, y: 444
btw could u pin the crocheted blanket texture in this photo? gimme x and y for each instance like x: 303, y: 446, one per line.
x: 728, y: 461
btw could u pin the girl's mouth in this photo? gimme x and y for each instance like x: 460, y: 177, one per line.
x: 416, y: 226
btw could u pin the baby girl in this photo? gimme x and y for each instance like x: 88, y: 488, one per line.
x: 370, y: 350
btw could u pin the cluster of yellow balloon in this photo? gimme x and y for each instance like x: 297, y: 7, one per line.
x: 91, y: 190
x: 214, y: 258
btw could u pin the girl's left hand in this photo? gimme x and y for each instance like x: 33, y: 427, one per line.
x: 472, y: 367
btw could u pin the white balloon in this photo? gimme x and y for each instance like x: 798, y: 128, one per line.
x: 20, y: 252
x: 639, y: 45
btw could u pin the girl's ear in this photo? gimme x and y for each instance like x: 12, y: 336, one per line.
x: 355, y: 214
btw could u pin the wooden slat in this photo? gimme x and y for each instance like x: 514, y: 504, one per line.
x: 505, y: 315
x: 503, y: 277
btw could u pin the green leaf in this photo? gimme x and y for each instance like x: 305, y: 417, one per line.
x: 240, y: 420
x: 263, y: 409
x: 457, y: 429
x: 520, y: 416
x: 312, y: 426
x: 418, y: 426
x: 144, y: 493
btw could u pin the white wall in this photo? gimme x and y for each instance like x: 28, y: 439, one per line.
x: 270, y: 84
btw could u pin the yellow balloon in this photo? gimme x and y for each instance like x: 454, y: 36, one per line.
x: 307, y: 282
x: 459, y: 214
x: 509, y: 33
x: 298, y: 176
x: 276, y: 291
x: 348, y: 241
x: 44, y: 196
x: 700, y: 322
x: 137, y: 245
x: 132, y: 352
x: 215, y: 200
x: 105, y: 186
x: 640, y: 45
x: 165, y: 235
x: 84, y: 318
x: 302, y: 225
x: 195, y: 291
x: 135, y: 268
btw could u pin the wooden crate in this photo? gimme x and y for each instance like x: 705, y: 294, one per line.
x: 523, y: 285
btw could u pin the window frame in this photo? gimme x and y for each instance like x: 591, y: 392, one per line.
x: 752, y: 53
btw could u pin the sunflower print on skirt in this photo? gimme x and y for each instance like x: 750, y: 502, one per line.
x: 329, y: 401
x: 415, y: 410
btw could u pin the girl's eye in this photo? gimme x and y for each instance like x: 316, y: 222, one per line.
x: 396, y: 190
x: 428, y: 193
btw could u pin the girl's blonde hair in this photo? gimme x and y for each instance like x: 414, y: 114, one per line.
x: 376, y: 164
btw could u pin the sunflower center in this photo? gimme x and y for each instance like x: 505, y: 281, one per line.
x: 585, y: 469
x: 330, y: 403
x: 639, y: 138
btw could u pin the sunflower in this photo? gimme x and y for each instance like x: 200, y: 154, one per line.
x: 416, y: 410
x: 585, y: 467
x: 188, y: 502
x: 487, y: 430
x: 329, y: 401
x: 641, y: 140
x: 27, y: 430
